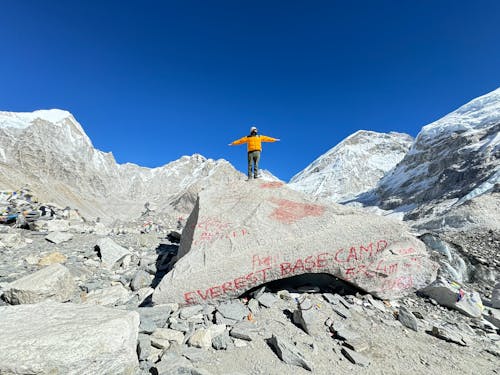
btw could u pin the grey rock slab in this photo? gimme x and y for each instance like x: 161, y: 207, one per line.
x: 356, y: 358
x: 141, y: 280
x: 202, y: 338
x: 267, y: 299
x: 190, y: 311
x: 379, y: 305
x: 147, y: 326
x: 454, y: 296
x: 407, y: 318
x: 244, y: 331
x: 169, y: 334
x: 222, y: 341
x: 359, y: 345
x: 53, y: 283
x: 194, y: 354
x: 341, y: 311
x: 159, y: 314
x: 253, y: 306
x: 305, y: 316
x: 143, y: 347
x: 288, y: 352
x: 234, y: 310
x: 59, y: 237
x: 111, y: 252
x: 346, y: 334
x: 175, y: 364
x: 225, y: 252
x: 447, y: 334
x: 220, y: 319
x: 113, y: 296
x: 65, y: 338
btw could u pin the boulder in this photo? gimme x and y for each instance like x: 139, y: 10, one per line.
x: 53, y: 283
x: 52, y: 258
x: 452, y: 295
x: 12, y: 240
x: 243, y: 235
x: 112, y: 296
x: 58, y: 237
x: 50, y: 338
x: 111, y: 252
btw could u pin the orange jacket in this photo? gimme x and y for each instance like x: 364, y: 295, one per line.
x: 254, y: 143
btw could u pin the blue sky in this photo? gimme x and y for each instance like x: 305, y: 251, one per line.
x: 154, y: 80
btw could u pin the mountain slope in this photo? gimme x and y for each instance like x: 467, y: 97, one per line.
x: 49, y: 151
x: 352, y: 167
x: 453, y: 159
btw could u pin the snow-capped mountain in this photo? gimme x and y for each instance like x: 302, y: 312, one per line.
x: 354, y: 166
x: 49, y: 151
x: 453, y: 159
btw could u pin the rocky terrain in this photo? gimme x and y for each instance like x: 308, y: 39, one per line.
x: 339, y: 175
x: 119, y: 269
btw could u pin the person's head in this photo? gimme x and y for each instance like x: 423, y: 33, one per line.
x: 253, y: 130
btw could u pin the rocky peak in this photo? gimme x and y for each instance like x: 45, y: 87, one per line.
x: 354, y: 166
x: 451, y: 158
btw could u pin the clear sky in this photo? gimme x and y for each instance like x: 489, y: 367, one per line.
x: 154, y: 80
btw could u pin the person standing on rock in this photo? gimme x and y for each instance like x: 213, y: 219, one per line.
x: 254, y: 148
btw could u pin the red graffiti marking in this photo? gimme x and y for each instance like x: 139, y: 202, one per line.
x: 241, y: 283
x: 271, y: 185
x: 410, y: 250
x: 213, y: 229
x: 289, y: 212
x: 360, y: 253
x: 399, y: 283
x: 269, y: 261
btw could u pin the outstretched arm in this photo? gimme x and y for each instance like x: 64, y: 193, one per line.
x: 265, y: 138
x: 238, y: 141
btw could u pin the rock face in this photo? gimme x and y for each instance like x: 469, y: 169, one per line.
x: 456, y: 157
x: 242, y: 235
x: 51, y: 146
x: 53, y: 283
x: 353, y: 166
x: 451, y: 294
x: 67, y: 339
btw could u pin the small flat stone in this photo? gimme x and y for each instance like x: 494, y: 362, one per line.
x: 356, y: 358
x: 267, y: 300
x: 243, y: 331
x: 222, y: 341
x: 234, y: 309
x: 341, y: 311
x: 407, y: 318
x: 190, y: 311
x: 288, y: 352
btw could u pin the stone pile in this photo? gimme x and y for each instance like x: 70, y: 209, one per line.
x: 95, y: 288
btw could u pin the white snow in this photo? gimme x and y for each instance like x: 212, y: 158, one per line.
x: 353, y: 166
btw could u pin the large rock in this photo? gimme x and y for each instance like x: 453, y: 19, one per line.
x: 242, y: 235
x: 111, y: 252
x: 58, y: 237
x: 12, y: 240
x: 452, y: 295
x: 55, y: 338
x: 53, y: 283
